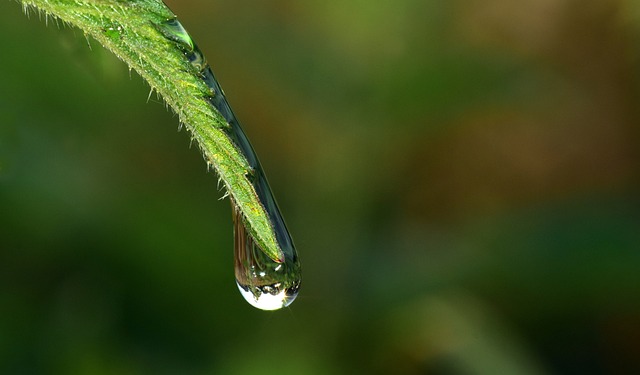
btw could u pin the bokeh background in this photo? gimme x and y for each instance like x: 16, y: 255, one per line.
x: 461, y: 179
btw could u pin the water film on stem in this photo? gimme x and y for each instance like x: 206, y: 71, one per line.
x: 265, y: 283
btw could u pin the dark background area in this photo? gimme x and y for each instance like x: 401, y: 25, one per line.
x: 461, y: 179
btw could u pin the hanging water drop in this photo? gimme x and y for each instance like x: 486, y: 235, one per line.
x: 264, y: 283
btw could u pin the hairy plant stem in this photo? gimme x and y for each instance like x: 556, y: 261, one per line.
x: 130, y: 29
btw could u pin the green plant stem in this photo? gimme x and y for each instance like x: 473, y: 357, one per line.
x: 129, y: 28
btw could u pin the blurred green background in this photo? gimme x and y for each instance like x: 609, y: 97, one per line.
x: 461, y: 179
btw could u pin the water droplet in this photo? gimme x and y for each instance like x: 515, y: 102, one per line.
x: 173, y: 29
x: 264, y: 283
x: 196, y: 58
x: 113, y: 31
x: 211, y: 82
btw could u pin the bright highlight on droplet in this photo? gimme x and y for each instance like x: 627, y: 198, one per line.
x: 267, y: 301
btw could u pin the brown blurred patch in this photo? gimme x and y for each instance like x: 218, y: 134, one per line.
x: 578, y: 134
x: 501, y: 159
